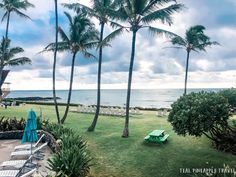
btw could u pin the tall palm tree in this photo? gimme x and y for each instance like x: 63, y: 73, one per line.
x: 82, y: 37
x: 194, y: 40
x: 102, y: 10
x: 12, y: 6
x: 54, y: 64
x: 139, y: 14
x: 7, y: 55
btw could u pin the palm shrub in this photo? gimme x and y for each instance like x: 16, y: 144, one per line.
x: 203, y: 113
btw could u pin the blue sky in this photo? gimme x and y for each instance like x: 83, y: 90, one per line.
x: 155, y: 66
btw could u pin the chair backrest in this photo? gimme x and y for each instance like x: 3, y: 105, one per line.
x: 40, y: 147
x: 41, y: 137
x: 22, y: 169
x: 29, y: 173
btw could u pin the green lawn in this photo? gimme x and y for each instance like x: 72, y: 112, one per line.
x: 118, y: 157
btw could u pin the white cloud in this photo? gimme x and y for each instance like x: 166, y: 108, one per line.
x: 155, y: 66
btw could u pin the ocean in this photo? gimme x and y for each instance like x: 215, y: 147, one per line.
x: 156, y: 98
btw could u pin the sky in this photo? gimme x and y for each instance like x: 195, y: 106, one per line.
x: 156, y: 66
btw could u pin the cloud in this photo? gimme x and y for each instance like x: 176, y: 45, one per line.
x: 155, y: 65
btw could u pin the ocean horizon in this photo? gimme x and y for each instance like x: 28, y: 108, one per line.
x: 147, y: 98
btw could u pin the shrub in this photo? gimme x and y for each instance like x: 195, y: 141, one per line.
x: 204, y: 113
x: 56, y: 130
x: 9, y: 124
x: 72, y: 160
x: 198, y: 113
x: 230, y: 95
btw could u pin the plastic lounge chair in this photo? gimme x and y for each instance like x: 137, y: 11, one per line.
x: 16, y: 164
x: 28, y: 152
x: 28, y: 146
x: 15, y: 173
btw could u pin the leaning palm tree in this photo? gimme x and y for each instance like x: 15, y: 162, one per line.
x: 139, y: 14
x: 8, y: 55
x: 195, y: 40
x: 54, y: 64
x: 82, y: 37
x: 12, y: 6
x: 103, y: 10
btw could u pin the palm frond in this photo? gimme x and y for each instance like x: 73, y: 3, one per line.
x: 158, y: 31
x: 16, y: 50
x: 91, y: 45
x: 88, y: 54
x: 21, y: 14
x: 78, y: 8
x: 116, y: 25
x: 4, y: 16
x: 63, y: 35
x: 69, y: 17
x: 203, y: 46
x: 177, y: 40
x: 111, y: 37
x: 17, y: 61
x: 61, y: 46
x: 164, y: 14
x: 173, y: 47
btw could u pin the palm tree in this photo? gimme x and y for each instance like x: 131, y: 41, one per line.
x: 139, y: 14
x: 82, y: 36
x: 7, y: 55
x: 195, y: 40
x: 54, y: 65
x: 102, y: 10
x: 12, y: 6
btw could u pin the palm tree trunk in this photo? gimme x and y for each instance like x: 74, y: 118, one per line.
x: 93, y: 125
x: 186, y: 73
x: 54, y: 67
x: 70, y: 88
x: 7, y: 27
x: 1, y: 72
x: 4, y: 50
x: 126, y: 127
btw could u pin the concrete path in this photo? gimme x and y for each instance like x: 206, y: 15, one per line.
x: 7, y: 146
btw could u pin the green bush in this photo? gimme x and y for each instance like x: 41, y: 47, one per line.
x: 72, y: 160
x: 199, y: 113
x: 230, y: 95
x: 204, y: 113
x: 9, y: 124
x: 56, y: 130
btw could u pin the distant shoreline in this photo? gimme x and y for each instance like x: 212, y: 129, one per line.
x: 75, y: 105
x: 143, y: 98
x: 123, y: 89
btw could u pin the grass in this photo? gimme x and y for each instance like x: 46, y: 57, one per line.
x: 118, y: 157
